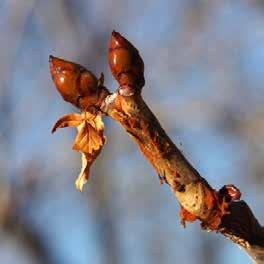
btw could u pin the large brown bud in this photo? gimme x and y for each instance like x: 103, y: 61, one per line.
x: 72, y: 80
x: 126, y: 64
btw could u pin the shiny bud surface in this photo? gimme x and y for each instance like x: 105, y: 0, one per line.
x: 72, y: 80
x: 125, y: 62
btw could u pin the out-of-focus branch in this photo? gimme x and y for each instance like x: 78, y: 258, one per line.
x: 220, y: 211
x: 13, y: 224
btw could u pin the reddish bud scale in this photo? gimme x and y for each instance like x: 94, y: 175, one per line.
x: 217, y: 202
x: 75, y: 84
x: 126, y: 64
x: 230, y: 192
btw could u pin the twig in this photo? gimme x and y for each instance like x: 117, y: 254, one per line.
x: 221, y: 211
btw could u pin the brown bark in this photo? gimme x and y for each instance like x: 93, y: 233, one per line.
x: 194, y: 194
x: 219, y: 211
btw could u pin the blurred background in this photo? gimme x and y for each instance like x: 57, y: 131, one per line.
x: 204, y: 68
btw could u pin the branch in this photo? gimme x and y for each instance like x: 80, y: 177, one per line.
x: 219, y: 211
x: 234, y: 220
x: 12, y: 200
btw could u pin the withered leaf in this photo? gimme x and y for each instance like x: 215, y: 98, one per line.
x: 94, y: 120
x: 87, y: 160
x: 84, y: 174
x: 89, y: 140
x: 69, y: 120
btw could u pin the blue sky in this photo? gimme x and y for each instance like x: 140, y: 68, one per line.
x: 204, y: 80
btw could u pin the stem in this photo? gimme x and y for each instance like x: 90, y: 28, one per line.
x: 194, y: 194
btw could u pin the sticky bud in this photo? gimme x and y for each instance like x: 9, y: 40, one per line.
x: 230, y: 192
x: 126, y: 64
x: 72, y: 80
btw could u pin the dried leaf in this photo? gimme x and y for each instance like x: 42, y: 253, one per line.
x: 98, y: 123
x: 87, y: 160
x: 84, y: 174
x: 70, y: 120
x: 89, y: 141
x: 94, y: 120
x: 88, y: 138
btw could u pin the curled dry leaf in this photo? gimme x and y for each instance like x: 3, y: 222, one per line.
x: 70, y: 120
x: 84, y: 174
x: 90, y: 134
x: 89, y: 140
x: 87, y: 160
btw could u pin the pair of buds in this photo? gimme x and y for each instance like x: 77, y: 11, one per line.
x: 80, y: 87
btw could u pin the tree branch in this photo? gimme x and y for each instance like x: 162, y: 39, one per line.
x: 220, y: 211
x: 191, y: 190
x: 12, y: 200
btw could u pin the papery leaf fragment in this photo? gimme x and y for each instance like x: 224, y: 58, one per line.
x: 89, y: 140
x: 69, y: 120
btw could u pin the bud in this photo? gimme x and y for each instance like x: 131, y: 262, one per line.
x: 126, y: 64
x: 72, y: 80
x: 230, y: 192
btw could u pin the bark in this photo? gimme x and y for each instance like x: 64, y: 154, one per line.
x: 199, y: 200
x: 221, y: 211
